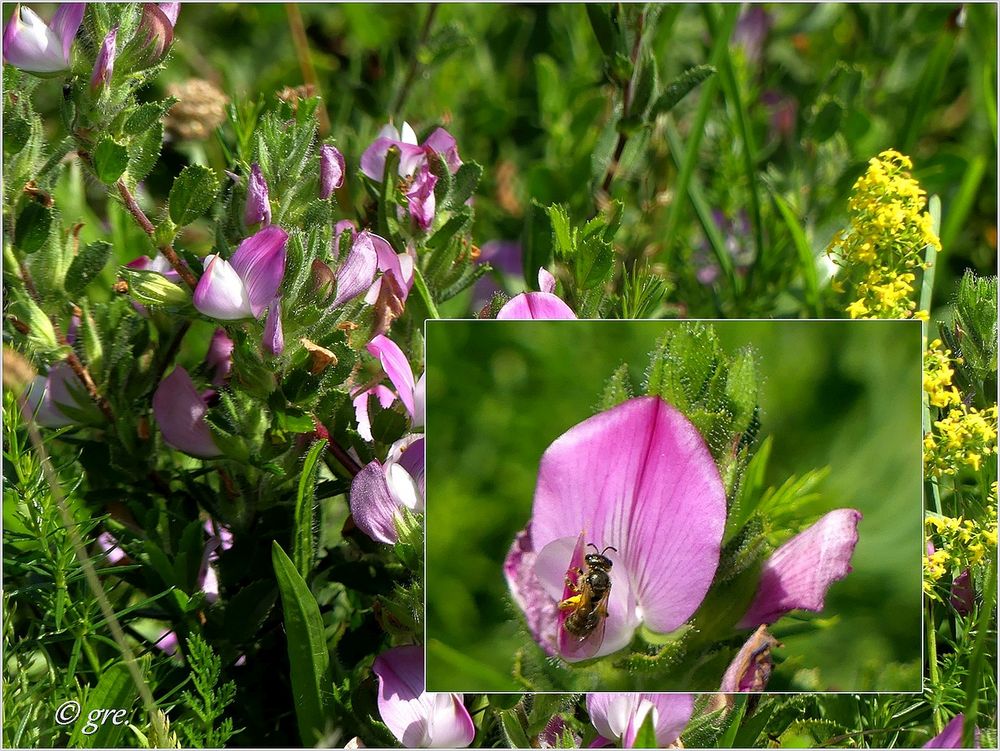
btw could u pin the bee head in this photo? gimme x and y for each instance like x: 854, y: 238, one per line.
x: 599, y: 560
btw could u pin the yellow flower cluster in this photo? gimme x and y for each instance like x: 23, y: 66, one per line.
x: 885, y: 243
x: 938, y: 372
x: 957, y: 544
x: 965, y: 436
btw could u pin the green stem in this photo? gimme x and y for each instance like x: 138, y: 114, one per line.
x: 425, y: 294
x: 932, y: 665
x: 930, y: 257
x: 973, y: 680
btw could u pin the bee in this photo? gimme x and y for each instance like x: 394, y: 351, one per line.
x: 591, y: 589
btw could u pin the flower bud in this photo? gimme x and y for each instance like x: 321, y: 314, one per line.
x: 153, y: 288
x: 258, y: 206
x: 37, y: 325
x: 331, y: 171
x: 180, y: 412
x: 156, y: 30
x: 323, y: 281
x: 104, y: 66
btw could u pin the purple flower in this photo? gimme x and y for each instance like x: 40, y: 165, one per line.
x: 443, y: 143
x: 104, y: 66
x: 331, y: 171
x: 244, y: 286
x: 540, y: 305
x: 357, y: 273
x: 397, y: 265
x: 159, y: 264
x: 379, y: 492
x: 798, y: 574
x: 219, y: 539
x: 258, y: 206
x: 751, y: 32
x: 34, y: 46
x: 750, y: 670
x: 951, y: 736
x: 418, y: 719
x: 504, y: 256
x: 420, y: 197
x: 274, y: 336
x: 219, y: 358
x: 180, y: 411
x: 111, y: 548
x: 637, y: 477
x: 170, y: 10
x: 411, y: 155
x: 50, y: 395
x: 963, y: 594
x: 620, y: 716
x: 385, y: 397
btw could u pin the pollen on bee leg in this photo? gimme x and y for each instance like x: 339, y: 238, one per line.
x: 570, y: 602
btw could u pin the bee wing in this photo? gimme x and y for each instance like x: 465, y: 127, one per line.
x: 602, y: 605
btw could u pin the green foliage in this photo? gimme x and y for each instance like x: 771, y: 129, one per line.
x: 208, y: 702
x: 192, y: 194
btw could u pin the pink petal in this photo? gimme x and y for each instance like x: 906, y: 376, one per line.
x: 274, y: 337
x: 418, y: 719
x: 219, y: 358
x: 65, y: 23
x: 29, y: 43
x: 357, y: 272
x: 260, y: 263
x: 396, y: 366
x: 798, y: 574
x: 373, y: 158
x: 104, y: 66
x: 537, y: 305
x: 385, y: 397
x: 331, y: 171
x: 109, y: 546
x: 420, y: 198
x: 546, y: 282
x: 221, y: 293
x: 751, y: 668
x: 531, y: 596
x: 963, y: 594
x: 170, y: 10
x: 620, y: 716
x: 180, y: 412
x: 640, y: 478
x: 258, y: 205
x: 167, y: 642
x: 419, y: 400
x: 951, y: 736
x: 372, y: 505
x: 443, y: 142
x: 408, y: 452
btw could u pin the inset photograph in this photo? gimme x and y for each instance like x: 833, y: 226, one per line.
x: 673, y: 506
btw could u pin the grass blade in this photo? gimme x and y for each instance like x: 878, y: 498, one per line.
x: 807, y: 262
x: 305, y: 522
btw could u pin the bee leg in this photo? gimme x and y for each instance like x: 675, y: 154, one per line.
x: 570, y: 602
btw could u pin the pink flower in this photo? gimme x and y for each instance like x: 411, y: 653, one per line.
x: 219, y: 358
x: 244, y: 286
x: 539, y: 305
x: 34, y: 46
x: 418, y: 719
x: 799, y: 573
x: 180, y: 412
x: 420, y: 197
x: 620, y: 716
x: 637, y: 477
x: 380, y: 491
x: 274, y: 336
x: 951, y: 736
x: 357, y: 273
x: 397, y: 368
x: 56, y: 399
x: 751, y: 669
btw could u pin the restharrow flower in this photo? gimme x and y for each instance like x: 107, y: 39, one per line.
x: 180, y: 412
x: 951, y: 736
x: 379, y: 492
x: 219, y: 358
x: 620, y: 716
x: 34, y: 46
x: 331, y: 171
x: 542, y: 305
x: 637, y: 477
x: 49, y: 397
x: 418, y: 719
x: 798, y: 574
x: 245, y: 285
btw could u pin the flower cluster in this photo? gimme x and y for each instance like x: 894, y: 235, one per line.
x: 966, y: 436
x: 955, y: 547
x: 884, y: 245
x: 938, y: 374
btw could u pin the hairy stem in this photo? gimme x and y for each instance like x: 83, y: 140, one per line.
x: 301, y: 42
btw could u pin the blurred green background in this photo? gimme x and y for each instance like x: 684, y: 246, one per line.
x: 843, y: 394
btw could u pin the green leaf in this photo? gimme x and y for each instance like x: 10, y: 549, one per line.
x: 145, y: 116
x: 308, y: 656
x: 645, y: 85
x: 110, y: 160
x: 618, y: 389
x: 114, y: 691
x: 605, y: 28
x: 143, y: 152
x: 562, y: 232
x: 679, y: 88
x: 646, y: 737
x: 192, y: 194
x: 464, y: 184
x: 16, y: 133
x: 513, y: 731
x: 826, y: 123
x: 741, y: 389
x: 85, y: 267
x: 807, y: 261
x: 32, y: 228
x: 595, y: 260
x: 305, y: 511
